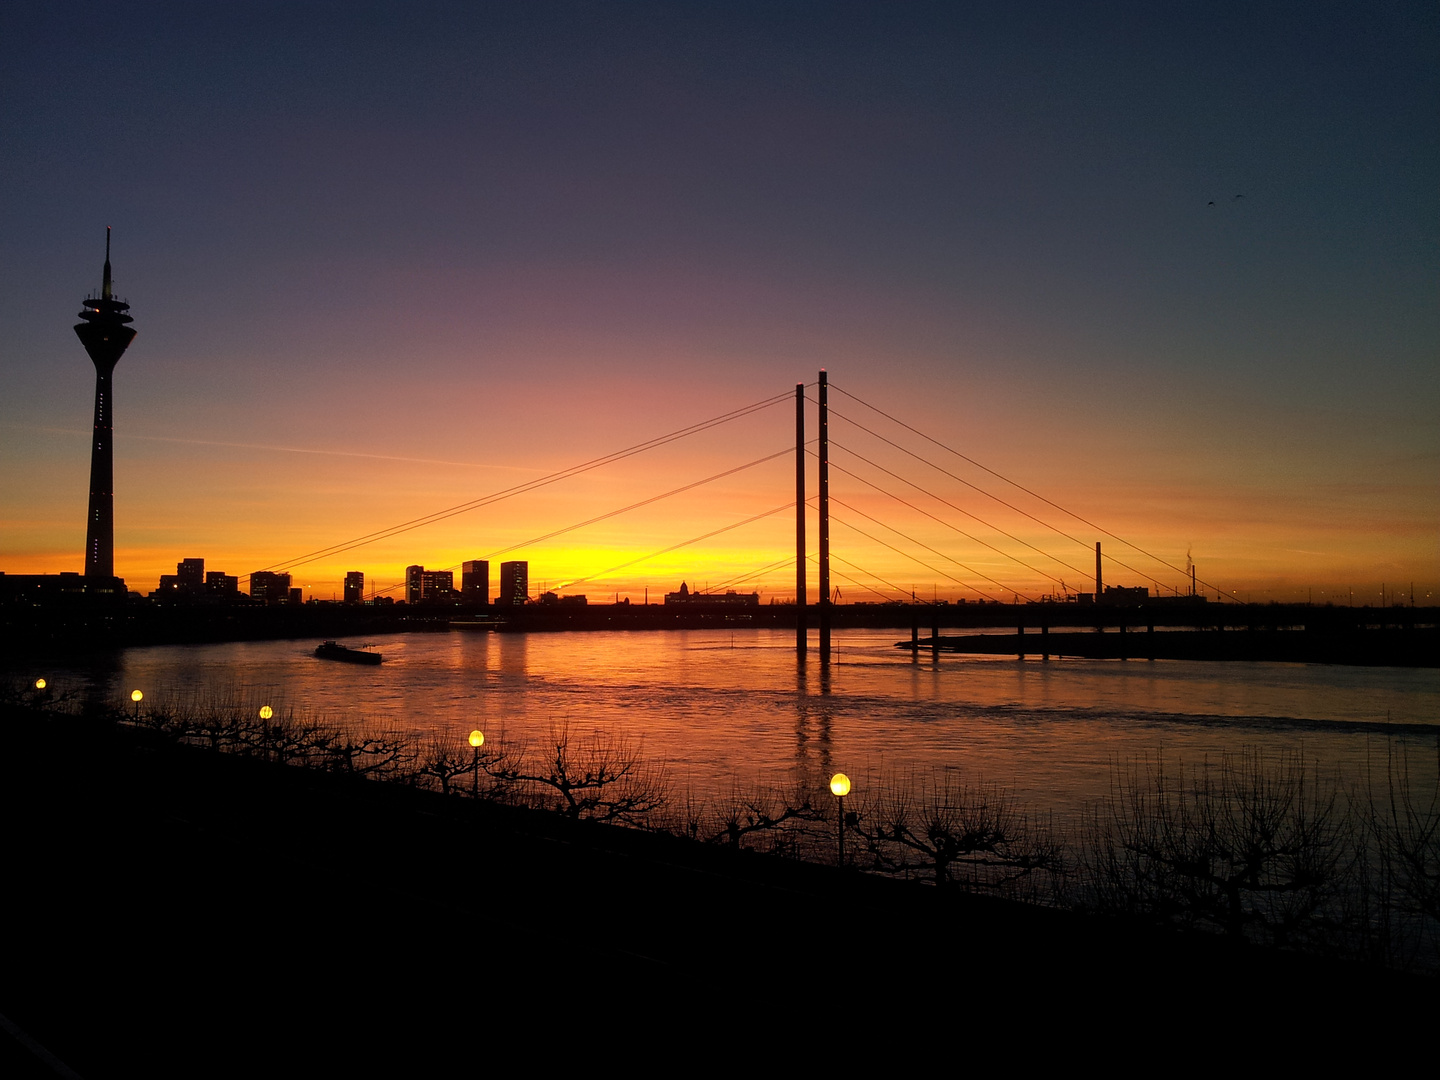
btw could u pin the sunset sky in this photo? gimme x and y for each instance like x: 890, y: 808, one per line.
x: 1172, y: 267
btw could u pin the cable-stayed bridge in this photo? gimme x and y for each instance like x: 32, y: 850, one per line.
x: 928, y: 492
x: 842, y: 515
x: 885, y: 487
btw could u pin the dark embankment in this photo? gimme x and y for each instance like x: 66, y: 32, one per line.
x: 1400, y: 647
x: 172, y: 912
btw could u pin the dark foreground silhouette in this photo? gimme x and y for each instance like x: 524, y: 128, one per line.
x: 176, y: 912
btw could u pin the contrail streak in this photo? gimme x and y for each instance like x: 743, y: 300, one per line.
x: 286, y: 449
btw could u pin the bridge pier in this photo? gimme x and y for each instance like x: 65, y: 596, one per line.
x: 824, y: 518
x: 802, y: 631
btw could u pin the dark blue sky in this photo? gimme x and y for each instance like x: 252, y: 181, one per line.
x: 997, y: 220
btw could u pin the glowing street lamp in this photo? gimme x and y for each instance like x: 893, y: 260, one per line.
x: 477, y: 740
x: 136, y: 696
x: 840, y: 787
x: 39, y: 684
x: 266, y: 712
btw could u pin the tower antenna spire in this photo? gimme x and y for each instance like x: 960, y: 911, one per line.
x: 105, y: 331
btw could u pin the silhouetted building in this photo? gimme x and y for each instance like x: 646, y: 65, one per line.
x: 1124, y: 594
x: 354, y: 587
x: 222, y: 585
x: 187, y: 584
x: 728, y: 599
x: 549, y: 598
x: 105, y: 335
x: 270, y: 587
x: 169, y: 589
x: 475, y: 582
x: 514, y: 583
x: 428, y: 585
x: 64, y: 590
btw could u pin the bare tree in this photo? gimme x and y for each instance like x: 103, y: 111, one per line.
x: 1407, y: 837
x: 1403, y: 831
x: 601, y: 778
x: 939, y: 825
x: 1248, y: 846
x: 370, y: 753
x: 744, y: 815
x: 446, y: 759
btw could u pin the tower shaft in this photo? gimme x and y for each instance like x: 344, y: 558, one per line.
x: 100, y: 519
x: 106, y: 335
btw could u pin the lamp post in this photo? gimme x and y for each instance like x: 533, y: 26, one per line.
x: 477, y: 740
x: 136, y: 696
x: 266, y: 712
x: 840, y: 787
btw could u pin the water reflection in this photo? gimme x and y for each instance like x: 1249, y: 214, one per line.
x: 718, y: 704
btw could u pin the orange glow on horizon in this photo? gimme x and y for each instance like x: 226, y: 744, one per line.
x: 247, y: 506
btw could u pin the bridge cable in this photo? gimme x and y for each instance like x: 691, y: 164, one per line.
x: 903, y: 592
x: 860, y: 584
x: 869, y: 588
x: 912, y: 558
x: 621, y: 510
x: 962, y: 532
x: 789, y: 560
x: 683, y: 543
x: 643, y: 502
x: 1021, y: 487
x: 519, y: 489
x: 1032, y: 547
x: 973, y: 487
x: 927, y: 547
x: 1002, y: 502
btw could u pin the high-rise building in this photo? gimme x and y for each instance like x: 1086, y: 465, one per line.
x: 190, y: 573
x: 432, y: 585
x: 270, y: 587
x: 105, y: 335
x: 475, y: 582
x: 514, y: 583
x: 219, y: 583
x: 354, y: 587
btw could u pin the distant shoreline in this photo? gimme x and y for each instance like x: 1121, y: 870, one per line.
x: 1398, y: 636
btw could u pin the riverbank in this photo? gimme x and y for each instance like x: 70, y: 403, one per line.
x: 175, y: 911
x: 1397, y: 636
x: 1384, y: 647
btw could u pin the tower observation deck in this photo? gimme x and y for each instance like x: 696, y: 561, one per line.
x: 105, y: 333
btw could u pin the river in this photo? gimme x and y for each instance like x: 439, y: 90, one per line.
x: 720, y: 708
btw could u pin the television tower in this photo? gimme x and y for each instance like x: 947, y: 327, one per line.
x: 106, y: 336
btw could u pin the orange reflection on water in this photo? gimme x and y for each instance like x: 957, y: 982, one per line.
x: 721, y: 708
